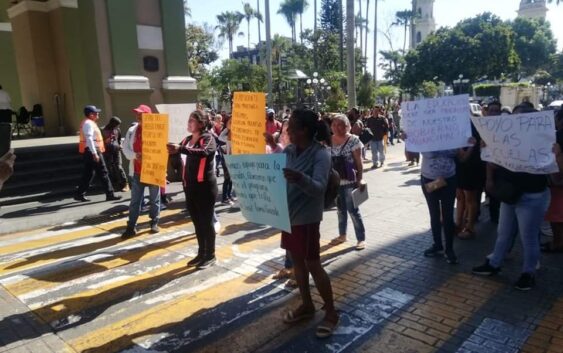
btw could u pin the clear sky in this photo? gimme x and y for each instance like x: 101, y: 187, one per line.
x: 446, y: 12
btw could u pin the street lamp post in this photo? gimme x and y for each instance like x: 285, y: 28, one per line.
x: 318, y: 85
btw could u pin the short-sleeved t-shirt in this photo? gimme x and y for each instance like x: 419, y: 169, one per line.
x: 346, y: 149
x: 438, y: 164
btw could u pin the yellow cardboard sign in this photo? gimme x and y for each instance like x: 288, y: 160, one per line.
x: 154, y: 155
x: 248, y: 123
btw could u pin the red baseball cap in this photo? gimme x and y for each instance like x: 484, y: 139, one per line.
x: 143, y: 109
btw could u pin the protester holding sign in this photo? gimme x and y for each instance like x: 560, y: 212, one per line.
x: 308, y: 165
x: 200, y: 186
x: 555, y: 212
x: 524, y: 200
x: 346, y: 152
x: 132, y: 149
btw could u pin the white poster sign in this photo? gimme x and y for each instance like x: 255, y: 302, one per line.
x: 178, y: 119
x: 519, y: 142
x: 437, y: 124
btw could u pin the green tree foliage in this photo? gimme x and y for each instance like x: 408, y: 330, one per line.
x: 556, y: 66
x: 331, y: 15
x: 393, y: 63
x: 234, y: 75
x: 201, y: 49
x: 249, y: 14
x: 289, y: 10
x: 482, y: 45
x: 386, y: 92
x: 429, y: 89
x: 229, y: 23
x: 534, y: 43
x: 366, y: 91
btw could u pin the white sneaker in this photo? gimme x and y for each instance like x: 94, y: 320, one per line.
x: 361, y: 245
x: 217, y: 226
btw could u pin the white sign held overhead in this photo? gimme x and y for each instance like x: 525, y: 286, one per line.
x: 437, y: 124
x: 178, y: 119
x: 519, y: 142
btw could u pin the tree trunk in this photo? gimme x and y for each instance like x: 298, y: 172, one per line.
x: 268, y: 52
x: 315, y: 63
x: 257, y: 20
x: 248, y: 36
x: 361, y: 28
x: 405, y: 40
x: 350, y: 51
x: 301, y: 27
x: 367, y: 30
x: 342, y: 36
x: 375, y: 43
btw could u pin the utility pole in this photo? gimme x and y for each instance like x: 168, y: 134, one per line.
x: 350, y: 27
x: 342, y: 36
x: 268, y: 53
x: 315, y: 64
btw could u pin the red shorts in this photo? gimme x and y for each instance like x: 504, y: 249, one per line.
x: 304, y: 241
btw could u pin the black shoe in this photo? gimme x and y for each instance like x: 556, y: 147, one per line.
x: 434, y: 251
x: 451, y: 258
x: 155, y: 228
x: 485, y: 270
x: 112, y: 197
x: 207, y: 263
x: 526, y: 281
x: 195, y: 261
x: 81, y: 198
x: 129, y: 233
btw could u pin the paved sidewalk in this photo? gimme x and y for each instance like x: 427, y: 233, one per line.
x: 78, y: 287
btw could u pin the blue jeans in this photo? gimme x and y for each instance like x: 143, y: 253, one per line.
x: 377, y: 151
x: 137, y: 194
x: 345, y: 205
x: 524, y: 217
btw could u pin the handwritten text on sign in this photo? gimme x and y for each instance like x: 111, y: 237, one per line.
x: 249, y: 123
x: 519, y: 142
x: 437, y: 124
x: 154, y: 155
x: 261, y: 188
x: 178, y: 115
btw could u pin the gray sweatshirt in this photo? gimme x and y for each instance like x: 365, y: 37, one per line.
x: 306, y: 198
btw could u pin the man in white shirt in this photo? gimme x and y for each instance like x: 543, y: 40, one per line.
x: 5, y: 106
x: 92, y: 146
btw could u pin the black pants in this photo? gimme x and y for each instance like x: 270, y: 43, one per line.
x: 227, y: 182
x: 117, y: 175
x: 441, y: 208
x: 200, y: 199
x: 91, y: 166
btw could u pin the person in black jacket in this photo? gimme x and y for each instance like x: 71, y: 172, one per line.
x: 200, y: 186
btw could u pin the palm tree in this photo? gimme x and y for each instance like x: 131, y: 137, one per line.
x: 300, y: 7
x: 249, y: 13
x: 279, y: 46
x: 288, y: 10
x: 404, y: 18
x: 361, y: 25
x: 187, y: 9
x: 229, y: 23
x: 367, y: 31
x: 351, y: 84
x: 375, y: 42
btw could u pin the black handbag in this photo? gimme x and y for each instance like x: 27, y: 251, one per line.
x: 366, y: 135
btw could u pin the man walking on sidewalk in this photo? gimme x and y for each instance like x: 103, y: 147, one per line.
x: 132, y: 148
x: 91, y: 146
x: 378, y: 125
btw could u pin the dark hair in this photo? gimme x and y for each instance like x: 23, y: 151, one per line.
x: 524, y: 107
x: 494, y: 101
x: 316, y: 129
x: 559, y: 115
x: 113, y: 123
x: 201, y: 118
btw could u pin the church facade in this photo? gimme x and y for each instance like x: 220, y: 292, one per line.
x: 64, y: 54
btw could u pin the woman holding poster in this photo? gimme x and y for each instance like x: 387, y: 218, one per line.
x: 200, y: 185
x: 307, y: 170
x: 524, y: 201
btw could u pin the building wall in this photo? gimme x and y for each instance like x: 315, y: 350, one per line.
x: 8, y: 71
